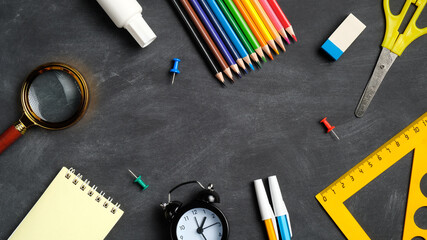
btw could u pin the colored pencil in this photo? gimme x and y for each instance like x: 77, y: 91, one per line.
x: 223, y: 35
x: 282, y: 17
x: 245, y: 28
x: 230, y: 32
x: 201, y: 45
x: 260, y: 24
x: 238, y: 31
x: 215, y: 37
x: 274, y: 19
x: 205, y: 35
x: 268, y: 23
x: 254, y: 29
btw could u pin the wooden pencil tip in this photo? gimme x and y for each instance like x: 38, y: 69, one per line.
x: 227, y: 72
x: 252, y: 67
x: 220, y: 77
x: 271, y: 57
x: 282, y: 33
x: 263, y: 59
x: 282, y: 46
x: 295, y: 38
x: 276, y: 51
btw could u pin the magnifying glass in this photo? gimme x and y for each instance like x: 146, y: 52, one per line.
x: 54, y: 96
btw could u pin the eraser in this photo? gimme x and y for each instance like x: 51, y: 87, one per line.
x: 343, y: 36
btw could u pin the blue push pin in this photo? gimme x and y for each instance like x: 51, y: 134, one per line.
x: 175, y: 70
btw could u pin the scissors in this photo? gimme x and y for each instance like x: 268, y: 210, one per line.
x: 393, y: 45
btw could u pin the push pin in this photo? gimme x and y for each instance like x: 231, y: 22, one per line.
x: 330, y: 128
x: 175, y: 70
x: 139, y: 181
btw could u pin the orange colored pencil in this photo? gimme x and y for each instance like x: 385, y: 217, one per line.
x: 259, y: 23
x: 254, y: 29
x: 268, y: 23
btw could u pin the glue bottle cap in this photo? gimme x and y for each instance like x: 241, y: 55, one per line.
x: 140, y: 31
x: 264, y: 205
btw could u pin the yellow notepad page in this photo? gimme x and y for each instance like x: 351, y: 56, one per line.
x: 67, y: 211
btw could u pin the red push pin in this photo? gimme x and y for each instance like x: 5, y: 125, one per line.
x: 329, y: 127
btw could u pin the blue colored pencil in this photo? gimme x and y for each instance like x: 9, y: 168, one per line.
x: 230, y: 32
x: 222, y: 34
x: 214, y: 35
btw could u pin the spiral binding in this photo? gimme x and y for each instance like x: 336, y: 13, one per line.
x: 92, y: 190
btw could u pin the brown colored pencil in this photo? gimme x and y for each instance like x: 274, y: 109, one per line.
x: 207, y: 55
x: 205, y: 35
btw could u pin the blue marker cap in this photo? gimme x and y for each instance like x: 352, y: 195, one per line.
x: 280, y: 210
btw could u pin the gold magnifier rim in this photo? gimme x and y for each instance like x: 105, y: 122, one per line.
x: 78, y: 77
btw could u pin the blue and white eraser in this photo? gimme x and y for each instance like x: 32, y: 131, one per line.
x: 343, y: 36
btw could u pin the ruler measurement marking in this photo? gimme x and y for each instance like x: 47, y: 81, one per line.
x: 333, y: 197
x: 363, y: 167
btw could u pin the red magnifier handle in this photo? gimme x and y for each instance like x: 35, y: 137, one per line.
x: 8, y: 137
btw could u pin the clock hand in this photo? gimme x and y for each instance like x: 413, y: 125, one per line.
x: 211, y: 225
x: 200, y: 229
x: 203, y: 222
x: 196, y: 223
x: 204, y: 236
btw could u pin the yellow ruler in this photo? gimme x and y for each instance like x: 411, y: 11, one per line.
x: 413, y: 137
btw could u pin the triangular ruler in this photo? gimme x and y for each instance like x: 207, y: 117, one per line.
x: 413, y: 137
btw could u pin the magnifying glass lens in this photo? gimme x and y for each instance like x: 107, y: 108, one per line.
x: 55, y: 96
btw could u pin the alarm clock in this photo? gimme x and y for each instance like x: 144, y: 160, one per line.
x: 199, y: 219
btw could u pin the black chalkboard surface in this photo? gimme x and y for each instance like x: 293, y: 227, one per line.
x: 267, y: 123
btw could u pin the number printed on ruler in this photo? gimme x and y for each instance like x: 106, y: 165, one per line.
x: 373, y: 163
x: 333, y: 197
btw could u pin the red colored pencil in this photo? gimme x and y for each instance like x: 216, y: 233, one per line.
x: 282, y: 17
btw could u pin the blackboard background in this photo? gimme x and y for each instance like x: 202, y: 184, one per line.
x: 265, y: 124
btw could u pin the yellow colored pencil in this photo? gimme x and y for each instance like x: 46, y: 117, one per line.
x: 263, y: 15
x: 254, y: 28
x: 259, y: 23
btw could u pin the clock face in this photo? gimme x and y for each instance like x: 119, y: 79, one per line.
x: 199, y: 224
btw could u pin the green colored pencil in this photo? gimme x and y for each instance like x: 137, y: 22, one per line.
x: 238, y: 31
x: 245, y: 28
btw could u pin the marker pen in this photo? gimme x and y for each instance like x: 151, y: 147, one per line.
x: 267, y: 214
x: 280, y: 210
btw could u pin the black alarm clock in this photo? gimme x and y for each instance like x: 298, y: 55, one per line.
x: 199, y: 219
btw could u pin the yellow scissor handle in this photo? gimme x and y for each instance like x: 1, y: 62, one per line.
x: 392, y: 39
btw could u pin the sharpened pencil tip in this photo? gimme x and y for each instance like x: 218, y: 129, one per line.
x: 271, y: 57
x: 239, y: 75
x: 295, y: 38
x: 276, y: 51
x: 246, y: 71
x: 252, y: 67
x: 263, y: 58
x: 223, y: 85
x: 287, y: 41
x: 259, y: 64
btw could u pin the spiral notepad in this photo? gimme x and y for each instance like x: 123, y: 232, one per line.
x: 69, y: 209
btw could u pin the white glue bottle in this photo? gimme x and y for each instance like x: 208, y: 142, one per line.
x: 127, y: 14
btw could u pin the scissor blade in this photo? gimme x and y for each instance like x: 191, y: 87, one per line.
x: 384, y: 63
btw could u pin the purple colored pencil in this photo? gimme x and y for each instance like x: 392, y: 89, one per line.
x: 215, y: 36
